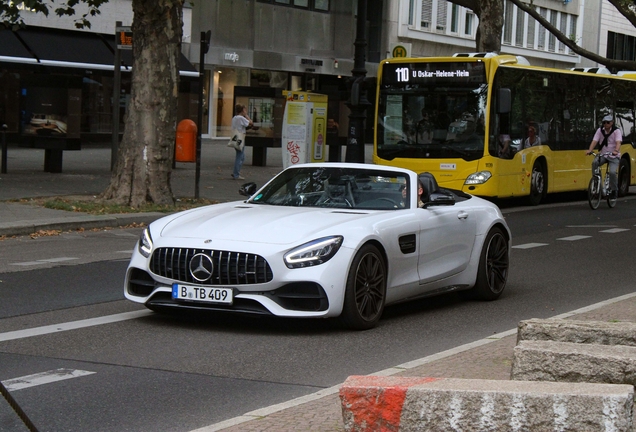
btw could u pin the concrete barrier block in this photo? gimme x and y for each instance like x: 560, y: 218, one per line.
x: 595, y: 332
x: 372, y: 403
x: 572, y: 362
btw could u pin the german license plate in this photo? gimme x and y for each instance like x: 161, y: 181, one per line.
x: 202, y: 294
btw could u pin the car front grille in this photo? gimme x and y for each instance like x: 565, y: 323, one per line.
x: 230, y: 268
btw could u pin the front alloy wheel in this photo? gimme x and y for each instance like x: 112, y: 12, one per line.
x: 365, y: 290
x: 493, y: 266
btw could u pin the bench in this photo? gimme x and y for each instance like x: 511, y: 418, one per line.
x: 53, y: 150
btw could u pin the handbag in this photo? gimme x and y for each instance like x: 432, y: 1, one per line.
x: 237, y: 141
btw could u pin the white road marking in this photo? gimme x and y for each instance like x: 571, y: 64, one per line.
x: 529, y: 245
x: 73, y: 325
x: 574, y: 238
x: 263, y: 412
x: 52, y: 260
x: 591, y: 226
x: 45, y: 261
x: 43, y: 378
x: 614, y: 230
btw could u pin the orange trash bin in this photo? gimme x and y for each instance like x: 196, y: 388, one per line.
x: 185, y: 149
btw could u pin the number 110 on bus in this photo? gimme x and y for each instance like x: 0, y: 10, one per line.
x: 402, y: 74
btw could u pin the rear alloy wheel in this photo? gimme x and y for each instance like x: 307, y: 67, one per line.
x: 366, y: 290
x: 493, y: 266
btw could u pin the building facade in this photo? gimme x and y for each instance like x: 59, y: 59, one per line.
x: 257, y: 48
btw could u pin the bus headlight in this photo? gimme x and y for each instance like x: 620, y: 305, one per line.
x: 480, y: 177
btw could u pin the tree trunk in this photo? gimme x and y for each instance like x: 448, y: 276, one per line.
x: 144, y: 161
x: 490, y: 28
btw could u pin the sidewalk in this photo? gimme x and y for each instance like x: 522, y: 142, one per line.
x: 489, y: 358
x: 87, y: 172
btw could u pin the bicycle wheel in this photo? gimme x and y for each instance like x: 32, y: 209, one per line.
x: 611, y: 197
x: 594, y: 192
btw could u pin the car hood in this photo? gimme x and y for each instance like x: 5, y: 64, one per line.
x: 259, y: 223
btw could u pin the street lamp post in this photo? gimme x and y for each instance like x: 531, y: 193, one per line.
x: 358, y: 102
x: 205, y: 45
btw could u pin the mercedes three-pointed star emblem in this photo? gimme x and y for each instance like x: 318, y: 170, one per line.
x: 201, y: 267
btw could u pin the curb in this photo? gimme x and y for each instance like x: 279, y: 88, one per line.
x: 76, y: 222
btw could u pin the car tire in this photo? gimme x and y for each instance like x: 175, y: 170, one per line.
x: 623, y: 177
x: 494, y: 263
x: 365, y: 291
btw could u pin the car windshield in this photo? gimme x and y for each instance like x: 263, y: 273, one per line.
x: 337, y: 187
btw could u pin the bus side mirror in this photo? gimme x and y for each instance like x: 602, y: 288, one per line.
x: 504, y: 101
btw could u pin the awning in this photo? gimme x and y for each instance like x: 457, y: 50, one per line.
x: 68, y: 48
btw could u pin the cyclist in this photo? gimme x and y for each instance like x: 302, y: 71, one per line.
x: 610, y: 138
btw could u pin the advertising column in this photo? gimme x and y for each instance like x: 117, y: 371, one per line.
x: 304, y: 128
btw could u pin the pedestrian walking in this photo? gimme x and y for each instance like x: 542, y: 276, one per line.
x: 240, y: 123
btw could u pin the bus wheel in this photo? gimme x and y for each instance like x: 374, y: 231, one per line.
x: 538, y: 184
x: 623, y: 177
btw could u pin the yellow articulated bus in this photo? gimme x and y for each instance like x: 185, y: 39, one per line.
x: 495, y: 126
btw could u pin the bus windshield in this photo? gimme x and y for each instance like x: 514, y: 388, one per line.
x: 432, y: 110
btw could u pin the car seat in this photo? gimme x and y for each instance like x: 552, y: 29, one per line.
x: 429, y: 186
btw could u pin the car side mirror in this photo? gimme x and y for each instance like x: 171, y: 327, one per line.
x: 440, y: 199
x: 248, y: 189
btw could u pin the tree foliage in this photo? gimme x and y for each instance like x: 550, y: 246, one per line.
x: 625, y: 7
x: 10, y: 11
x: 489, y: 30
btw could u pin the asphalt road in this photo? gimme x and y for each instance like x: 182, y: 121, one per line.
x: 181, y: 373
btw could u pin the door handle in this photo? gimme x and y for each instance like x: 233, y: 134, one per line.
x: 462, y: 215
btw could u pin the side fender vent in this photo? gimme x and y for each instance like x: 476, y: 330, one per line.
x: 407, y: 243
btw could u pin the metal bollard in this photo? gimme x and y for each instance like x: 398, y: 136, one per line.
x: 4, y: 149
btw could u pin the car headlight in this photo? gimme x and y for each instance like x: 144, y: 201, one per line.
x: 314, y: 253
x: 145, y: 243
x: 480, y: 177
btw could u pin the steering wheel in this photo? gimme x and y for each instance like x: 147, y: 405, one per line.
x: 389, y: 200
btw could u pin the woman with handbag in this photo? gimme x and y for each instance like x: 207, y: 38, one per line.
x: 240, y: 123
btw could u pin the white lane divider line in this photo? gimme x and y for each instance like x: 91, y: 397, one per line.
x: 529, y: 245
x: 615, y: 230
x: 44, y: 378
x: 590, y: 226
x: 574, y: 237
x: 44, y: 261
x: 73, y: 325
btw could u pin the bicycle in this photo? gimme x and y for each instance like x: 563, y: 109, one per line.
x: 598, y: 189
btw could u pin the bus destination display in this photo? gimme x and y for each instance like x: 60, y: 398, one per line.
x: 433, y: 73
